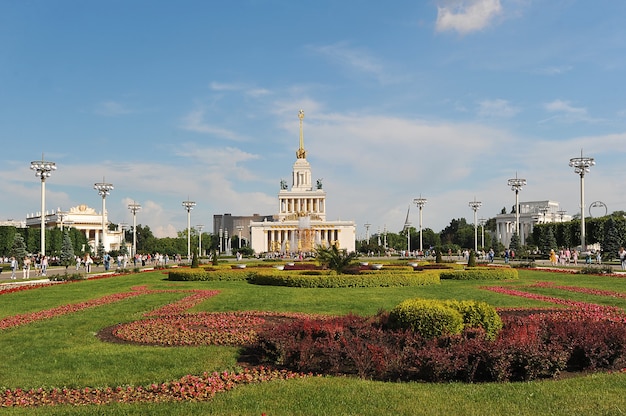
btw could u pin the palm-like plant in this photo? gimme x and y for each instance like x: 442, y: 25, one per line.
x: 335, y: 259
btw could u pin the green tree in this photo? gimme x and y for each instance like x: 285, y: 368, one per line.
x: 611, y: 241
x: 547, y: 241
x: 515, y: 243
x: 335, y: 259
x: 18, y: 250
x: 67, y: 251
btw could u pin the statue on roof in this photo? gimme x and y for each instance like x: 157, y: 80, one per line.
x: 301, y: 153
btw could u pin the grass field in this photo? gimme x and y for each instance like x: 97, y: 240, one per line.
x: 64, y: 351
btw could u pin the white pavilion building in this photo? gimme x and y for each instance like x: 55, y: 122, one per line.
x: 301, y: 224
x: 84, y: 219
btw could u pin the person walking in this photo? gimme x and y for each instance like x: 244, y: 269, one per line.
x: 88, y: 263
x: 26, y: 268
x: 14, y: 264
x: 622, y: 257
x: 44, y: 265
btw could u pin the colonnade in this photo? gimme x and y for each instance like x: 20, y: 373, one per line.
x: 308, y: 205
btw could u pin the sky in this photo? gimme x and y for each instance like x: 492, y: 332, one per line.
x: 198, y: 100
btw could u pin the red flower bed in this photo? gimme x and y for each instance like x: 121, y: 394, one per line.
x: 189, y: 387
x: 26, y: 318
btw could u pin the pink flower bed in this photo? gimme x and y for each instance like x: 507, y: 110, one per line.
x: 583, y: 309
x: 26, y: 318
x: 189, y: 387
x: 585, y: 290
x: 204, y: 328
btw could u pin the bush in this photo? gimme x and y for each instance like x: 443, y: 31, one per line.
x: 528, y: 348
x: 478, y: 314
x: 430, y: 318
x: 201, y: 274
x: 327, y: 279
x: 481, y: 273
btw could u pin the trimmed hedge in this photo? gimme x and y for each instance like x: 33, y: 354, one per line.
x: 434, y: 318
x: 481, y: 273
x: 429, y: 318
x: 478, y: 314
x: 327, y: 279
x: 188, y: 275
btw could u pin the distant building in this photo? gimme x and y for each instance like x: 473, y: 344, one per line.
x: 226, y: 226
x: 13, y: 223
x: 530, y: 213
x: 301, y: 224
x: 85, y: 219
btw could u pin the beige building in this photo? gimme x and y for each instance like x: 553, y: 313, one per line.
x: 85, y: 219
x: 300, y: 224
x: 530, y: 213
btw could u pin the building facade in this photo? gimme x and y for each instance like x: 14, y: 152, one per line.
x: 530, y: 213
x: 300, y: 224
x: 85, y: 219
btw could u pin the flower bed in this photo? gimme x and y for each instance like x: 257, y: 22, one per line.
x: 189, y: 387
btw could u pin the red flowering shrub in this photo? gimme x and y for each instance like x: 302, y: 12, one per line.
x: 528, y: 348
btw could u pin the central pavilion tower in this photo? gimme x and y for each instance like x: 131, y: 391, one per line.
x: 300, y: 224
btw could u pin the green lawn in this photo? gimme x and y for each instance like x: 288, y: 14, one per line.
x: 65, y: 352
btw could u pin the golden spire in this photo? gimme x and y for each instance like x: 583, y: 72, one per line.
x: 301, y: 153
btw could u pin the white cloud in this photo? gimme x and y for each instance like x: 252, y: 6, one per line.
x: 194, y: 121
x: 564, y: 111
x: 465, y: 16
x: 355, y: 59
x: 497, y: 108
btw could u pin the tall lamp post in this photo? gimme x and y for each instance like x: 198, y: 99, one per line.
x: 482, y: 223
x: 199, y: 227
x: 43, y: 169
x: 189, y: 206
x: 367, y: 232
x: 516, y: 185
x: 408, y: 238
x: 561, y: 213
x: 104, y: 189
x: 420, y: 202
x: 134, y: 207
x: 475, y: 205
x: 581, y: 166
x: 240, y: 229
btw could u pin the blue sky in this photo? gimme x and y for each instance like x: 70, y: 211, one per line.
x: 170, y: 100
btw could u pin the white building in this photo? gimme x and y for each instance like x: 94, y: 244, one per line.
x: 530, y: 213
x: 85, y: 219
x: 300, y: 224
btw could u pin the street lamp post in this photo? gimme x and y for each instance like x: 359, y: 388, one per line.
x: 43, y: 169
x: 221, y: 233
x: 134, y: 207
x: 581, y: 166
x: 408, y: 238
x: 516, y: 185
x: 240, y: 229
x: 544, y: 211
x: 420, y: 202
x: 482, y: 223
x: 199, y: 227
x: 475, y: 205
x: 367, y: 232
x: 189, y: 206
x: 104, y: 189
x: 561, y: 213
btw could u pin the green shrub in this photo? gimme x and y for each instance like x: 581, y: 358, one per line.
x: 478, y: 314
x: 327, y: 279
x: 430, y: 318
x: 481, y: 273
x: 201, y: 274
